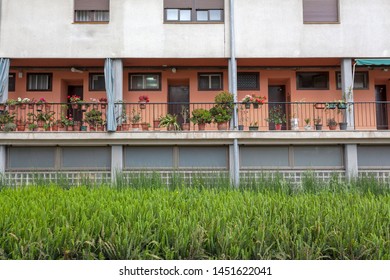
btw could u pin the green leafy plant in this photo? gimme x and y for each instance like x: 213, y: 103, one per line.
x: 7, y: 121
x: 221, y: 113
x: 94, y: 117
x: 276, y: 115
x: 135, y: 117
x: 331, y: 122
x: 170, y: 122
x: 201, y: 116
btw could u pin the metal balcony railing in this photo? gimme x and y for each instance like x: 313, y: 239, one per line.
x: 158, y: 116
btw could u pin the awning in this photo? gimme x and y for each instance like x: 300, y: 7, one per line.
x: 373, y: 62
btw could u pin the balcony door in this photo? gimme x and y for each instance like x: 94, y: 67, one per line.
x: 277, y: 97
x: 381, y: 107
x: 75, y: 113
x: 178, y: 100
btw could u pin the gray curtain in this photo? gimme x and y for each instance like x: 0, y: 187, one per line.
x: 109, y: 79
x: 4, y: 74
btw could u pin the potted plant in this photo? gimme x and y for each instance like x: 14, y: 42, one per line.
x: 247, y: 100
x: 103, y: 102
x: 170, y: 122
x: 145, y: 126
x: 42, y: 101
x: 142, y: 100
x: 332, y: 124
x: 11, y: 103
x: 201, y: 117
x: 93, y: 118
x: 74, y: 101
x: 343, y: 125
x: 258, y: 101
x: 224, y: 98
x: 221, y: 116
x: 135, y: 119
x: 254, y: 126
x: 21, y: 125
x: 22, y: 102
x: 277, y: 117
x: 317, y: 123
x: 307, y: 126
x: 7, y: 122
x: 32, y: 127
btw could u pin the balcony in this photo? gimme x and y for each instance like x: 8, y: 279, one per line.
x: 138, y: 117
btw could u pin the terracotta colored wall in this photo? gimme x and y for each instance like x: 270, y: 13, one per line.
x: 364, y: 114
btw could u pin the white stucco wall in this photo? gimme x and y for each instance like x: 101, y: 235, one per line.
x: 43, y: 28
x: 264, y: 28
x: 275, y: 28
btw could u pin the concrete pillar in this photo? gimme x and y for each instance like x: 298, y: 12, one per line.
x: 117, y: 68
x: 350, y: 161
x: 2, y: 160
x: 231, y: 163
x: 116, y: 161
x: 347, y: 88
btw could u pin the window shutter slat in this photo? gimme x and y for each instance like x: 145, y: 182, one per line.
x: 92, y: 5
x: 179, y: 4
x: 209, y: 4
x: 320, y: 10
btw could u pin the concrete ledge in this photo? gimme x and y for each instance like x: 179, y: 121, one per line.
x: 195, y: 137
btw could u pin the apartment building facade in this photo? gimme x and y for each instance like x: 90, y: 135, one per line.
x: 301, y: 55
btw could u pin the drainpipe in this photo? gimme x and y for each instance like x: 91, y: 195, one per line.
x: 233, y: 89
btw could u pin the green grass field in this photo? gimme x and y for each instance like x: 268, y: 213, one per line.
x: 262, y: 220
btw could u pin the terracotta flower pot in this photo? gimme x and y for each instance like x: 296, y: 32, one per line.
x: 185, y: 126
x: 201, y: 126
x: 278, y: 126
x: 222, y: 126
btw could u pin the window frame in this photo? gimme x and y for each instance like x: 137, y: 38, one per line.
x: 194, y: 6
x: 257, y: 74
x: 91, y: 16
x: 208, y: 15
x: 178, y: 14
x: 11, y: 82
x: 158, y: 74
x: 210, y: 74
x: 299, y: 87
x: 50, y: 81
x: 337, y: 21
x: 90, y: 81
x: 365, y: 82
x: 92, y: 8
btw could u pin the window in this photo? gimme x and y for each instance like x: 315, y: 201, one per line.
x: 313, y: 80
x: 178, y: 15
x: 320, y: 11
x: 247, y: 81
x: 91, y: 11
x: 210, y: 81
x: 360, y: 80
x: 193, y: 10
x: 39, y: 81
x: 209, y: 15
x: 97, y: 82
x: 144, y: 81
x: 11, y: 82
